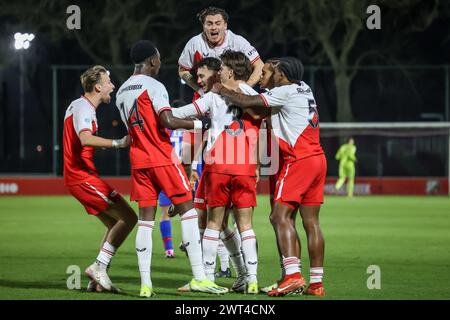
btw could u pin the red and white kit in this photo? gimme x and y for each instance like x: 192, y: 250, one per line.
x: 198, y: 48
x: 295, y: 123
x: 230, y: 159
x: 80, y: 174
x: 155, y: 165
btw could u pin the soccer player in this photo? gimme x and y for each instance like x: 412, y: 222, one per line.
x: 212, y: 42
x: 346, y: 156
x: 207, y: 73
x: 295, y: 122
x: 81, y: 176
x: 144, y: 107
x: 230, y: 167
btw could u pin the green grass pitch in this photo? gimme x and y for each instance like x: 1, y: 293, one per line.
x: 407, y: 237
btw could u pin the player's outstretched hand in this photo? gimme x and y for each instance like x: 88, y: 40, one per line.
x: 206, y: 123
x: 216, y: 87
x: 122, y: 143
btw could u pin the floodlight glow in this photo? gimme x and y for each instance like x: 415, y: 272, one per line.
x: 23, y: 40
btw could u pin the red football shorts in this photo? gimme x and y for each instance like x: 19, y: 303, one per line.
x: 147, y: 183
x: 223, y: 189
x: 302, y: 182
x: 95, y: 195
x: 200, y: 194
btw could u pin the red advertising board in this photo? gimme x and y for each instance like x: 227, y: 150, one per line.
x: 23, y: 185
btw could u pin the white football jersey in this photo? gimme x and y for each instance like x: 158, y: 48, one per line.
x: 231, y: 141
x: 197, y: 48
x: 295, y: 120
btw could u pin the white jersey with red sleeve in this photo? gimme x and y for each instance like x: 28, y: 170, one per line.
x: 197, y: 48
x: 295, y: 120
x: 232, y: 137
x: 140, y: 100
x: 78, y: 160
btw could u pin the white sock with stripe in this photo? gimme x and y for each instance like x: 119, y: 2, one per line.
x: 210, y: 244
x: 232, y: 242
x: 190, y: 236
x: 315, y: 274
x: 105, y: 255
x: 291, y: 265
x: 250, y: 251
x: 224, y: 256
x: 144, y: 247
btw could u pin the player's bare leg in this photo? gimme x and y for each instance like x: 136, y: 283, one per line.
x: 243, y: 218
x: 191, y: 238
x: 316, y: 248
x: 281, y: 219
x: 297, y: 250
x: 125, y: 220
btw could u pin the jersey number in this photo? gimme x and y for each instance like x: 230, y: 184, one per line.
x: 237, y: 115
x: 313, y: 118
x: 138, y: 121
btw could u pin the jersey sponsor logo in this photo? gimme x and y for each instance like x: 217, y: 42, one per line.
x: 205, y: 54
x: 87, y: 120
x: 313, y: 117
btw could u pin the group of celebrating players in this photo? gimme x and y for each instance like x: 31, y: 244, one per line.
x: 222, y: 68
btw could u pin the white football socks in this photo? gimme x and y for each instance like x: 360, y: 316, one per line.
x: 315, y: 275
x: 105, y: 255
x: 144, y: 247
x: 250, y: 251
x: 291, y: 265
x: 224, y: 256
x: 210, y: 244
x: 191, y: 239
x: 232, y: 242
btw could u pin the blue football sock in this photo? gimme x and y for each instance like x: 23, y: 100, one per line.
x: 166, y: 234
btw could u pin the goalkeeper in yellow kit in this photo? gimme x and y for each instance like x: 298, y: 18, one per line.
x: 346, y: 156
